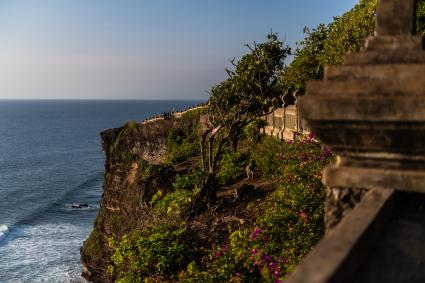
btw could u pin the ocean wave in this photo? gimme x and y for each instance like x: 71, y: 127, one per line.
x: 3, y: 231
x: 42, y: 253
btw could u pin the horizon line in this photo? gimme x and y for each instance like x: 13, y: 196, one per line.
x: 96, y: 99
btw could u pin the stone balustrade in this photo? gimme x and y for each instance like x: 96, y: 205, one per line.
x: 285, y: 123
x: 173, y: 114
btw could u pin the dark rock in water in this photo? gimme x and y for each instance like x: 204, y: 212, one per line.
x: 80, y: 205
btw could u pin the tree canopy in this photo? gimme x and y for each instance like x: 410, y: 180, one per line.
x: 327, y: 44
x: 251, y: 88
x: 248, y: 93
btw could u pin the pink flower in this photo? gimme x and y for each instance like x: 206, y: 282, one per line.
x: 256, y: 233
x: 272, y: 264
x: 254, y: 251
x: 327, y: 152
x: 275, y: 274
x: 266, y: 238
x: 217, y: 254
x: 238, y: 274
x: 266, y: 258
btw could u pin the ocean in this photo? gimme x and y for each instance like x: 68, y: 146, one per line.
x: 50, y: 159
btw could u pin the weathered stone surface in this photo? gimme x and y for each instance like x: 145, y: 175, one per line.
x: 399, y: 254
x: 340, y: 202
x: 399, y: 72
x: 393, y: 43
x: 126, y: 189
x: 395, y: 17
x: 389, y: 56
x: 366, y: 88
x: 373, y: 115
x: 404, y: 180
x: 369, y: 109
x: 371, y: 112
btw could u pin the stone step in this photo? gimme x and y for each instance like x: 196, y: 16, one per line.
x: 367, y: 88
x: 392, y: 56
x: 406, y: 180
x: 394, y: 108
x: 355, y: 137
x: 376, y: 72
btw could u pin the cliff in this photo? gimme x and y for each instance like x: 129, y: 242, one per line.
x: 131, y: 151
x: 150, y: 227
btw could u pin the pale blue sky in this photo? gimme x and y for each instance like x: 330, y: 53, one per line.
x: 138, y: 49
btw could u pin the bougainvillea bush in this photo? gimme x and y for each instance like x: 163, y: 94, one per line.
x: 289, y: 220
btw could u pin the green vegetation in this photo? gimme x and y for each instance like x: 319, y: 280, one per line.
x: 248, y: 93
x: 179, y: 202
x: 231, y: 167
x: 288, y: 221
x: 93, y: 245
x: 180, y: 147
x: 252, y: 131
x: 151, y: 255
x: 183, y: 142
x: 327, y: 44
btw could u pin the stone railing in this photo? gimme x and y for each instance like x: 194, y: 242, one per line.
x: 285, y: 123
x: 173, y: 114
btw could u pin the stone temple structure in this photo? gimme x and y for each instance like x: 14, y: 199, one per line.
x: 371, y: 111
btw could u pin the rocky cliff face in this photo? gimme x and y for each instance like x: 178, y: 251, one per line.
x: 132, y: 175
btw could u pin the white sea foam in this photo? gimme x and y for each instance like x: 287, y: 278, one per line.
x: 3, y: 231
x: 42, y: 253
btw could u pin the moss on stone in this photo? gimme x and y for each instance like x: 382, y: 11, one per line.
x: 93, y: 245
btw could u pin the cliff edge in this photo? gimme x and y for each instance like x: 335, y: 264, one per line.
x: 130, y: 151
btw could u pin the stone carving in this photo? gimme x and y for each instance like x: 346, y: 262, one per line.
x: 371, y: 110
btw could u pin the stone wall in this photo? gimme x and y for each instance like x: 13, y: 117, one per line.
x: 285, y: 123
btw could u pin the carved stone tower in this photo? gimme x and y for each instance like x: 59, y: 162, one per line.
x: 371, y: 111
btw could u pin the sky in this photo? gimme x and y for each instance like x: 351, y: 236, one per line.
x: 139, y: 49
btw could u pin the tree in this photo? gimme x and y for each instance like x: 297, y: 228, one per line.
x: 327, y: 44
x: 306, y: 64
x: 348, y: 32
x: 247, y: 94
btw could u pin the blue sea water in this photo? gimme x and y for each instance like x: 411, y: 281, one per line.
x: 51, y: 158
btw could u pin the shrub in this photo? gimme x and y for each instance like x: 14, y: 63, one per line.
x: 289, y: 221
x: 266, y: 157
x: 231, y: 167
x: 157, y: 253
x: 179, y: 147
x: 186, y: 190
x: 252, y: 131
